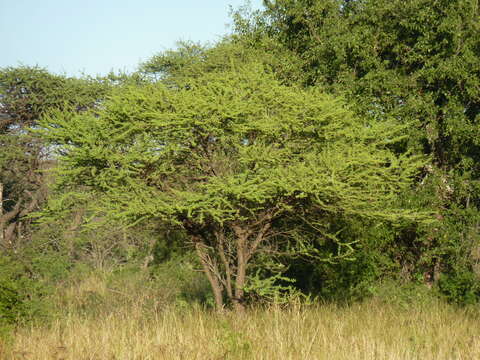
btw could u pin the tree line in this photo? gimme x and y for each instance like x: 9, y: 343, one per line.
x: 320, y: 149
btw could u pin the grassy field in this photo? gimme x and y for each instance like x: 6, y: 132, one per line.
x: 96, y: 322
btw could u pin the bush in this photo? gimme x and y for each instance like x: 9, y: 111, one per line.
x: 180, y: 278
x: 26, y: 281
x: 18, y: 300
x: 11, y: 303
x: 461, y: 287
x: 405, y: 295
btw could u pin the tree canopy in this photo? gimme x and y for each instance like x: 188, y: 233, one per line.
x: 226, y: 156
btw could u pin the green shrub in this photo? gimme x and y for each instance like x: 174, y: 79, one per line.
x: 11, y: 303
x: 179, y: 276
x: 19, y: 300
x: 27, y: 279
x: 461, y: 287
x: 404, y: 295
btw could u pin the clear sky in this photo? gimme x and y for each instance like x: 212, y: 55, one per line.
x: 96, y: 36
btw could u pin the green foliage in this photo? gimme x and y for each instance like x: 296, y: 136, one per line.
x: 162, y: 135
x: 414, y: 62
x: 462, y: 288
x: 348, y: 272
x: 180, y: 278
x: 191, y: 60
x: 27, y: 94
x: 274, y: 289
x: 72, y: 223
x: 24, y: 289
x: 11, y: 305
x: 226, y: 153
x: 405, y: 294
x: 234, y: 343
x: 169, y: 245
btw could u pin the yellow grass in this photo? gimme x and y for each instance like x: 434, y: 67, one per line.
x: 135, y: 325
x: 368, y: 331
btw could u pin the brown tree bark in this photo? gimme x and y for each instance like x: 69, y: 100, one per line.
x: 7, y: 228
x: 226, y: 268
x: 240, y: 277
x: 225, y: 258
x: 211, y: 271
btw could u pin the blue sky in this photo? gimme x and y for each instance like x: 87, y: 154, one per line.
x: 96, y: 36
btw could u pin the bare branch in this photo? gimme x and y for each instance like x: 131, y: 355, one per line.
x: 258, y: 239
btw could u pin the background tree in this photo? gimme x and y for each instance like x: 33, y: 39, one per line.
x: 26, y: 94
x: 416, y: 62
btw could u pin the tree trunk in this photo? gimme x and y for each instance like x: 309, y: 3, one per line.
x: 239, y: 299
x: 226, y: 262
x: 9, y: 235
x: 7, y: 225
x: 212, y: 277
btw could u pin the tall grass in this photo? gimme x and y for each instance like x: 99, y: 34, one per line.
x: 368, y: 331
x: 102, y: 319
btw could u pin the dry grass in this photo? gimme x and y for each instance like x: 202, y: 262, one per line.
x: 368, y: 331
x: 142, y: 329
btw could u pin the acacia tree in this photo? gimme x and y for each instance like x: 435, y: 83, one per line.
x: 226, y: 157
